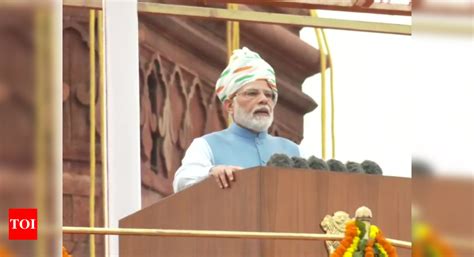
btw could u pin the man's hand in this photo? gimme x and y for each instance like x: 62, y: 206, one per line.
x: 224, y: 174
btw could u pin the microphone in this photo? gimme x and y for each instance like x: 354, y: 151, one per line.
x: 299, y: 162
x: 371, y: 167
x: 335, y: 165
x: 317, y: 164
x: 280, y: 160
x: 354, y: 167
x: 420, y: 168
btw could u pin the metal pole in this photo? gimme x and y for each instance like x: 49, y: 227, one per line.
x: 252, y: 16
x: 214, y: 234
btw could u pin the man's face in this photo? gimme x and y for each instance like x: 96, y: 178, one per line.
x: 252, y: 106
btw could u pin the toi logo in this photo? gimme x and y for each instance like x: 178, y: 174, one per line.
x: 22, y: 224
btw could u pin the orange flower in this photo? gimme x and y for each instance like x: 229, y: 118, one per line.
x: 5, y: 252
x: 416, y: 251
x: 342, y: 250
x: 370, y: 243
x: 369, y: 251
x: 391, y: 251
x: 339, y: 252
x: 65, y: 253
x: 345, y: 243
x: 351, y: 228
x: 350, y: 234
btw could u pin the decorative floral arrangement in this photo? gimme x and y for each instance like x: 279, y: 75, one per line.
x: 354, y: 244
x: 65, y: 253
x: 5, y: 252
x: 427, y: 243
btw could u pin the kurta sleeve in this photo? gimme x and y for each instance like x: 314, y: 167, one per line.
x: 195, y: 165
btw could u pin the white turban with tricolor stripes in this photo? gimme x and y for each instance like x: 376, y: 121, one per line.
x: 244, y: 67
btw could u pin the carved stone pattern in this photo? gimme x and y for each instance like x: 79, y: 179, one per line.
x: 76, y: 89
x: 174, y: 109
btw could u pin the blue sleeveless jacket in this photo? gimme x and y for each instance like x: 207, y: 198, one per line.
x: 242, y: 147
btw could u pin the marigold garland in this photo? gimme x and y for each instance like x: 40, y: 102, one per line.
x: 5, y: 252
x: 352, y: 242
x: 391, y: 250
x: 427, y: 242
x: 351, y: 232
x: 382, y: 251
x: 65, y: 253
x: 369, y: 249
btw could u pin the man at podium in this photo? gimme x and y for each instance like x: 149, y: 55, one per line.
x: 247, y: 89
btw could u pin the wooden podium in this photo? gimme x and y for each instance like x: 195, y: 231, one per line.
x: 268, y: 199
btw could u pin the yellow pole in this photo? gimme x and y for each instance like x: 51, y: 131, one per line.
x: 323, y: 88
x: 103, y: 131
x: 262, y: 17
x: 92, y: 128
x: 331, y: 78
x: 229, y: 35
x: 214, y: 234
x: 273, y: 18
x: 233, y: 40
x: 229, y: 51
x: 235, y: 30
x: 41, y: 63
x: 323, y: 40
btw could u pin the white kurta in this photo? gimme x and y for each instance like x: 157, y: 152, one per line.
x: 196, y: 164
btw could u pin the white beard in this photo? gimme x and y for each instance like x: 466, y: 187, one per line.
x: 248, y: 120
